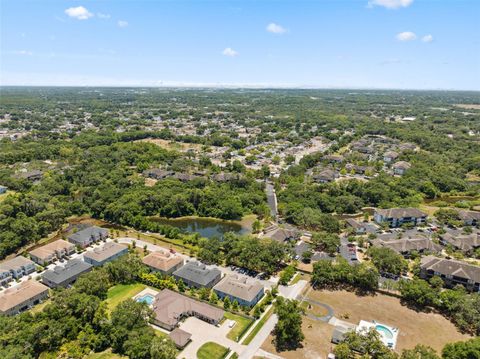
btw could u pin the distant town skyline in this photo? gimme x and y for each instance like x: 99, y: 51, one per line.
x: 372, y: 44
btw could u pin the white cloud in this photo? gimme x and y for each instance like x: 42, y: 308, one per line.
x: 103, y: 16
x: 276, y: 29
x: 122, y: 23
x: 79, y: 13
x: 406, y: 36
x: 390, y: 4
x: 228, y: 51
x: 427, y: 38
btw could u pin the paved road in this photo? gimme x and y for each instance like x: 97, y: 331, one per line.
x: 288, y: 292
x: 245, y: 352
x: 271, y: 199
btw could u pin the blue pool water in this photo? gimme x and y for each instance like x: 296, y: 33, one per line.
x: 385, y: 331
x: 146, y: 298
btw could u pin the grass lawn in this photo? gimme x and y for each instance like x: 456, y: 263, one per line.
x: 415, y: 327
x: 121, y: 292
x: 259, y: 326
x: 316, y: 344
x: 212, y: 350
x: 38, y: 308
x: 239, y: 328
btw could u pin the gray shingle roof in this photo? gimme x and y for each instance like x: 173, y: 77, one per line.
x: 198, y: 273
x: 401, y: 213
x: 85, y: 235
x: 60, y: 274
x: 451, y: 267
x: 15, y: 263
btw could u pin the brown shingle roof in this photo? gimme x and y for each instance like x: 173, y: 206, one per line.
x: 50, y: 248
x: 180, y: 337
x: 12, y: 297
x: 169, y: 308
x: 104, y: 252
x: 15, y: 263
x: 161, y: 260
x: 239, y: 288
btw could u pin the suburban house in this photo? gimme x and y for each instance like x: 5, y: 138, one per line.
x: 239, y: 289
x: 334, y: 158
x: 359, y: 170
x: 157, y: 173
x: 225, y: 177
x: 452, y: 272
x: 280, y: 234
x: 361, y: 227
x: 325, y: 176
x: 62, y: 276
x: 469, y: 218
x: 180, y: 337
x: 15, y: 268
x: 163, y: 262
x: 390, y: 156
x: 399, y: 168
x: 395, y: 217
x: 170, y: 308
x: 463, y: 242
x: 87, y: 236
x: 196, y: 274
x: 3, y: 189
x: 106, y: 253
x: 22, y: 297
x: 406, y: 246
x: 51, y: 252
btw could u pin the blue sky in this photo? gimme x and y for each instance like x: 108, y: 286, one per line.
x: 416, y: 44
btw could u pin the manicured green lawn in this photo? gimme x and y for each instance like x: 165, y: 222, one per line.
x: 259, y: 326
x: 122, y: 292
x: 239, y: 328
x: 212, y: 350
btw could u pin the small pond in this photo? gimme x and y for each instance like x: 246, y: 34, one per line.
x: 206, y: 227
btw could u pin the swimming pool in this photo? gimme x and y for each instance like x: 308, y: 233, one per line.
x: 384, y: 330
x: 146, y: 298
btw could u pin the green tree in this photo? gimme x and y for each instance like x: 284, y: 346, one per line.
x: 288, y: 330
x: 419, y: 352
x: 162, y: 348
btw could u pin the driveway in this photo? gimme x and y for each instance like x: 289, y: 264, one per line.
x: 202, y: 333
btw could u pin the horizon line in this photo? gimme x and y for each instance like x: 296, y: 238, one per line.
x: 242, y: 87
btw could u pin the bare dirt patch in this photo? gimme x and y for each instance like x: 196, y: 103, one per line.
x: 469, y: 106
x: 316, y: 344
x: 415, y: 327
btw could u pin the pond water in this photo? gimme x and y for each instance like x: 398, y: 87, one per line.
x: 206, y: 227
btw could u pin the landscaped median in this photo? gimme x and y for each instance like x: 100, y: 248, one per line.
x: 211, y: 350
x: 257, y: 327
